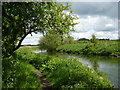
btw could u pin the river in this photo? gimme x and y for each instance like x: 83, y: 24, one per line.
x: 109, y: 65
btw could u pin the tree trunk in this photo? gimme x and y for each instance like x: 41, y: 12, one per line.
x: 19, y: 44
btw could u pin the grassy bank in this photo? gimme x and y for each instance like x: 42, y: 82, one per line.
x: 17, y: 73
x: 61, y: 73
x: 100, y: 48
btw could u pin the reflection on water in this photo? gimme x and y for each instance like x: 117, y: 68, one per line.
x: 104, y: 64
x: 94, y: 64
x: 40, y: 51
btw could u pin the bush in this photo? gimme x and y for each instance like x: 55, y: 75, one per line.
x: 50, y: 41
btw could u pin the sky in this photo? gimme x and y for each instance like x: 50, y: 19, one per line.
x: 99, y: 18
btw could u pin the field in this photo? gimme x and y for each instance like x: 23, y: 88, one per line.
x: 19, y: 72
x: 86, y: 47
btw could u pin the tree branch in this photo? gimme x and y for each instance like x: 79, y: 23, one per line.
x: 19, y: 44
x: 22, y: 38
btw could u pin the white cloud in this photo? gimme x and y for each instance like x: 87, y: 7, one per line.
x: 99, y: 35
x: 109, y: 35
x: 109, y: 25
x: 101, y: 26
x: 118, y: 21
x: 33, y: 40
x: 83, y: 34
x: 98, y: 23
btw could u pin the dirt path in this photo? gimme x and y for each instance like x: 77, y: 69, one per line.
x: 44, y: 84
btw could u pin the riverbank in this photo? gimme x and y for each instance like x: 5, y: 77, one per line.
x: 103, y: 48
x: 74, y: 74
x: 106, y: 64
x: 60, y: 73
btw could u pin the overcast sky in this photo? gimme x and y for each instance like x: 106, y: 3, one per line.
x: 99, y: 18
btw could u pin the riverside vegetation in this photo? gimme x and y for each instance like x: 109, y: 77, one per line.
x: 60, y: 73
x: 105, y: 47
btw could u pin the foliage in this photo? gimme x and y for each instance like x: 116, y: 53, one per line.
x: 65, y: 73
x: 101, y: 48
x: 73, y: 72
x: 68, y: 40
x: 23, y: 18
x: 93, y: 39
x: 51, y: 41
x: 15, y: 24
x: 17, y: 74
x: 74, y: 48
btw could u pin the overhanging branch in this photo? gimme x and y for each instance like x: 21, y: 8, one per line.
x: 22, y: 38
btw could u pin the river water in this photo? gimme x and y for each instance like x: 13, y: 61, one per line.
x: 108, y: 65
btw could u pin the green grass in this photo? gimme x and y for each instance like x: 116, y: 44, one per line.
x: 17, y: 73
x: 63, y: 73
x: 88, y: 48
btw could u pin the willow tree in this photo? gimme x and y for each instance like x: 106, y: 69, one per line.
x: 23, y: 18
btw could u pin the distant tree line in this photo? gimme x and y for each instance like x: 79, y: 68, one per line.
x: 104, y: 39
x: 85, y: 39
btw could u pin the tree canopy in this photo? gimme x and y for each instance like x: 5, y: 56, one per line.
x: 23, y: 18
